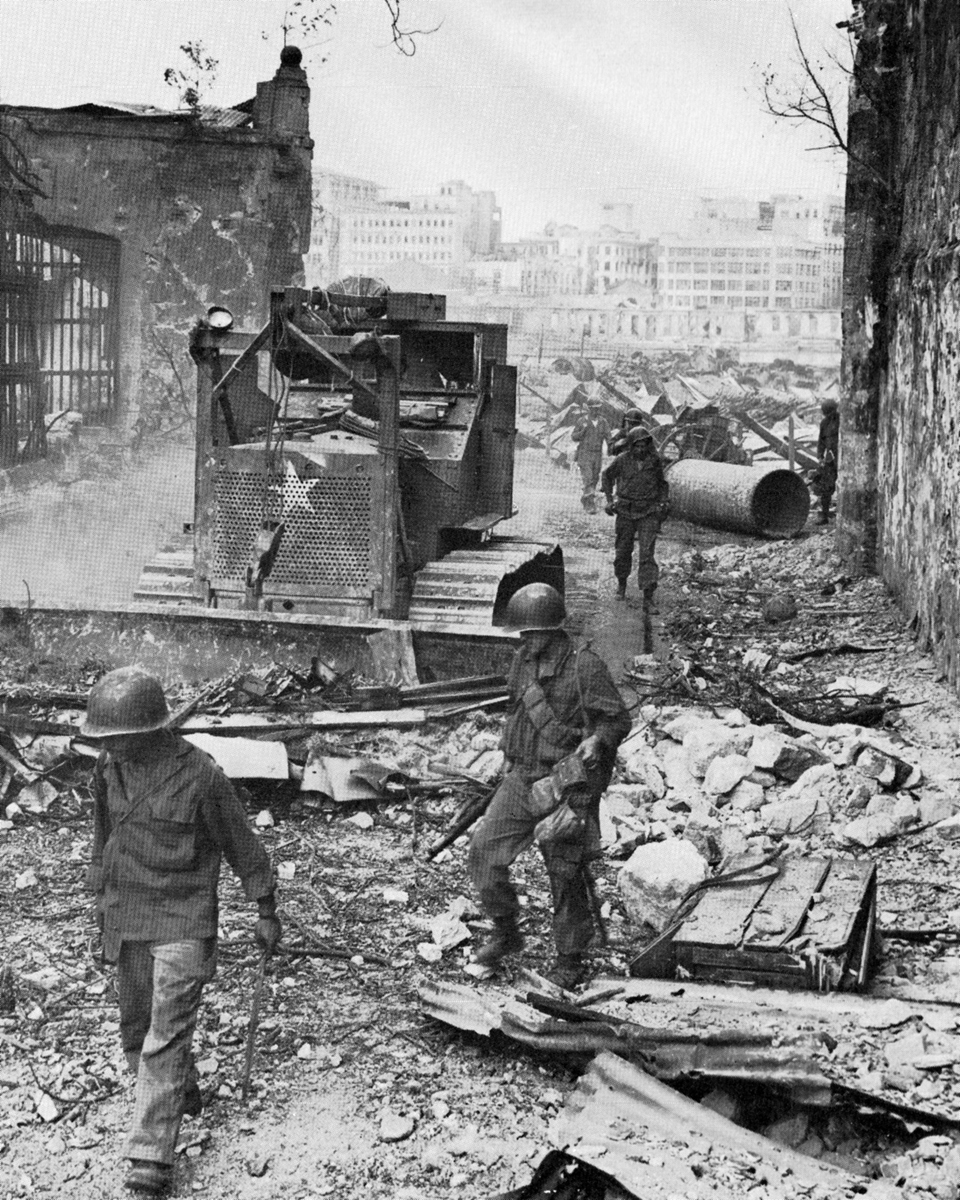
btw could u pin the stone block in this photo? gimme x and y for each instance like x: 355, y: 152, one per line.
x: 949, y: 829
x: 789, y: 1131
x: 724, y: 1103
x: 725, y: 772
x: 869, y: 831
x: 937, y: 806
x: 747, y: 797
x: 706, y: 833
x: 766, y: 748
x: 794, y: 759
x: 709, y: 740
x: 656, y: 877
x: 807, y: 814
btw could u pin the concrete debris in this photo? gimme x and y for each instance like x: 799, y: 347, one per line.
x: 656, y: 877
x: 724, y: 773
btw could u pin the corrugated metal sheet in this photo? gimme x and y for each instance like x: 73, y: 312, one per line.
x: 657, y: 1143
x: 732, y: 1054
x: 217, y: 118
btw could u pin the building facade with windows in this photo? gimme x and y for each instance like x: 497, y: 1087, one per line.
x: 759, y: 272
x: 423, y: 239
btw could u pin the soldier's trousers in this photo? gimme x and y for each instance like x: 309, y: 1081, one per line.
x: 504, y: 832
x: 641, y: 531
x: 589, y: 475
x: 159, y: 986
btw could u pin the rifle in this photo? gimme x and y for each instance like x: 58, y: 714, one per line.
x: 470, y: 813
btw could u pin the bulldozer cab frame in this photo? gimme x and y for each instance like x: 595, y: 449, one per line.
x: 353, y: 459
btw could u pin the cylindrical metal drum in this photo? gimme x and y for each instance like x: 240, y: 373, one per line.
x: 768, y: 500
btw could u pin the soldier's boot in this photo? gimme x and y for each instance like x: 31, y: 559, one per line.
x: 505, y: 939
x: 621, y: 589
x: 192, y: 1100
x: 649, y: 598
x: 149, y: 1177
x: 568, y: 971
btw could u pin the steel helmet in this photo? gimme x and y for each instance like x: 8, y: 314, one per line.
x: 536, y: 606
x: 128, y: 700
x: 633, y: 416
x: 639, y: 434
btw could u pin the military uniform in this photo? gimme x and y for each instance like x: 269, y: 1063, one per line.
x: 557, y: 698
x: 828, y: 451
x: 162, y: 824
x: 641, y: 491
x: 590, y: 435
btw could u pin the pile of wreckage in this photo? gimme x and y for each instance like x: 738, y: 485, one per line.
x: 697, y: 406
x: 739, y: 1050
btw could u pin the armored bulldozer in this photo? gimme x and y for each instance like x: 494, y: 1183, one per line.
x: 354, y: 458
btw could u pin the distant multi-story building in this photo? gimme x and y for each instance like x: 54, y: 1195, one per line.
x: 781, y: 253
x: 428, y: 238
x: 333, y: 195
x: 738, y: 272
x: 567, y: 261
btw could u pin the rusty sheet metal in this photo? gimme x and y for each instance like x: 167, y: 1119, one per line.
x: 647, y: 1136
x: 766, y: 500
x: 858, y: 1026
x: 463, y: 1007
x: 668, y: 1053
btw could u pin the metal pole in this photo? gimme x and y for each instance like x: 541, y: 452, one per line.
x: 389, y: 401
x: 790, y: 443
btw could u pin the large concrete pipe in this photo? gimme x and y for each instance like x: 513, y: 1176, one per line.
x: 768, y: 500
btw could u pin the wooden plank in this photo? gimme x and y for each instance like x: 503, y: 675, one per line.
x: 262, y: 722
x: 845, y: 891
x: 754, y: 960
x: 722, y: 914
x: 392, y: 658
x: 788, y: 899
x: 728, y: 975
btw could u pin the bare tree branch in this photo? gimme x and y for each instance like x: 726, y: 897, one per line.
x: 809, y: 100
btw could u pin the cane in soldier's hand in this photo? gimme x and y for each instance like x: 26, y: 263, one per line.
x: 268, y: 934
x: 253, y: 1023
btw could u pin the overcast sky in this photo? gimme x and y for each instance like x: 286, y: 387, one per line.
x: 556, y: 105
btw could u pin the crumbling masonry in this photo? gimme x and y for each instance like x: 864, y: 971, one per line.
x: 149, y: 218
x: 900, y: 450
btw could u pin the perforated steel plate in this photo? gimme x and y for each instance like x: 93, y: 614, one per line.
x: 327, y: 540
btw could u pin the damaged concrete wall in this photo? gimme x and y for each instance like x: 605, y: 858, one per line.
x: 205, y: 211
x: 900, y: 454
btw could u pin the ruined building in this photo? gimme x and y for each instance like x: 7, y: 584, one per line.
x: 900, y: 432
x: 138, y: 220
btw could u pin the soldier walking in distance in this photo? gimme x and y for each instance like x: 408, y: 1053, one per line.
x: 164, y: 816
x: 591, y: 432
x: 828, y: 453
x: 562, y: 702
x: 640, y: 507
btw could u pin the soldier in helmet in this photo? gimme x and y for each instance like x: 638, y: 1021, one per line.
x: 630, y: 420
x: 164, y: 817
x: 828, y: 453
x: 562, y: 702
x: 640, y: 507
x: 591, y: 432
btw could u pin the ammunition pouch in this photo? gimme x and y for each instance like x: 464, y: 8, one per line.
x: 556, y: 739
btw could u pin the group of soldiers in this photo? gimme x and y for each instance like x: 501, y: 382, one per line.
x: 165, y: 816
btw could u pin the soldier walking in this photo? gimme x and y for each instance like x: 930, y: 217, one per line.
x: 591, y: 432
x: 562, y: 702
x: 164, y: 816
x: 828, y: 453
x: 640, y: 506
